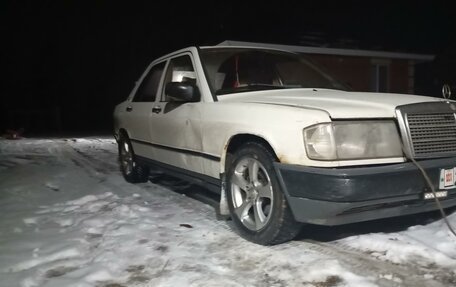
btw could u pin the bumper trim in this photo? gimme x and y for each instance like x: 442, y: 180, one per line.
x: 337, y: 213
x: 356, y: 184
x: 333, y: 196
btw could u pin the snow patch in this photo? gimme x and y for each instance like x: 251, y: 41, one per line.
x: 64, y: 222
x: 30, y: 220
x: 99, y: 276
x: 321, y: 270
x: 83, y: 200
x: 63, y: 254
x: 52, y: 186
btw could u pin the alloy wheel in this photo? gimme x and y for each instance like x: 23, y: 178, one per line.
x: 252, y: 193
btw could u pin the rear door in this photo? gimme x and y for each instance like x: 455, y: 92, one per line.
x: 139, y: 111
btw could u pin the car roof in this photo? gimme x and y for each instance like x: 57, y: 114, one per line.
x: 194, y: 49
x: 246, y: 47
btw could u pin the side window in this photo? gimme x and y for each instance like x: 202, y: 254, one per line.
x: 180, y: 69
x: 149, y: 86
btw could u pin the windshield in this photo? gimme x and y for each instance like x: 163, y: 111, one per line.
x: 234, y: 70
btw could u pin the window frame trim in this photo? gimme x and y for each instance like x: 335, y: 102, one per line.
x: 144, y: 76
x: 161, y: 98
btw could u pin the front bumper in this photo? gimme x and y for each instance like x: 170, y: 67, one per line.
x: 333, y: 196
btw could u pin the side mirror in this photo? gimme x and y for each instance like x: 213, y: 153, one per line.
x: 182, y: 91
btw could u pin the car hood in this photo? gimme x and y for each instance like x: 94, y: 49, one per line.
x: 339, y: 104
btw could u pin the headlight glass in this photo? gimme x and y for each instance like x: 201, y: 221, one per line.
x: 352, y: 140
x: 319, y: 141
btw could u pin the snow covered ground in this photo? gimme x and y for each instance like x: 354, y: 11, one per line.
x: 69, y: 219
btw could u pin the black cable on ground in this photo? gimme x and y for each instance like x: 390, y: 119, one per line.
x: 437, y: 201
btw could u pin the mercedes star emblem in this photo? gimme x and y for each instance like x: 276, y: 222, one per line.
x: 446, y: 91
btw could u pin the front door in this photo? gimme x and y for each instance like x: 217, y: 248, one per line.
x: 176, y: 125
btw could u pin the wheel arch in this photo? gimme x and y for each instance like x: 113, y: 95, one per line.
x: 236, y: 141
x: 122, y: 133
x: 278, y: 224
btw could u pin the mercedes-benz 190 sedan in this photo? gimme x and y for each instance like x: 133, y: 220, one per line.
x: 283, y: 142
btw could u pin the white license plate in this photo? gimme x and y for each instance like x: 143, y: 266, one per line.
x: 447, y: 178
x: 438, y: 194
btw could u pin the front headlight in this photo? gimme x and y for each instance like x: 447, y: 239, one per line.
x: 352, y: 140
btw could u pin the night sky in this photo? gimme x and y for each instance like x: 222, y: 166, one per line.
x: 80, y: 58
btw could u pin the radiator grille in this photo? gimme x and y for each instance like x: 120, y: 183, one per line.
x: 432, y: 134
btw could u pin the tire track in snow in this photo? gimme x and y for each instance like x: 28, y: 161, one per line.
x: 389, y: 274
x: 96, y: 168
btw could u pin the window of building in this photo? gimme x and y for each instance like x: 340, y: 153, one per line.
x: 380, y: 76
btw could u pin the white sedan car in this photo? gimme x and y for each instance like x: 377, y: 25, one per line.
x: 284, y: 143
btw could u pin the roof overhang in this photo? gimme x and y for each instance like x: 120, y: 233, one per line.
x: 333, y: 51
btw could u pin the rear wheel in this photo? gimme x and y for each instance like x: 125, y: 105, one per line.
x: 131, y: 170
x: 258, y: 207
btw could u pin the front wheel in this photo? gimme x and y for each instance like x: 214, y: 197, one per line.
x: 258, y: 207
x: 131, y: 170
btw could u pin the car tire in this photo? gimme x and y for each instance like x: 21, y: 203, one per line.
x: 131, y: 170
x: 257, y: 205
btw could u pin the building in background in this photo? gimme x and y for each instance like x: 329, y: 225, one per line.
x: 365, y: 70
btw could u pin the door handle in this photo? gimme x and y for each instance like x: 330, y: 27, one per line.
x: 129, y: 109
x: 156, y: 109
